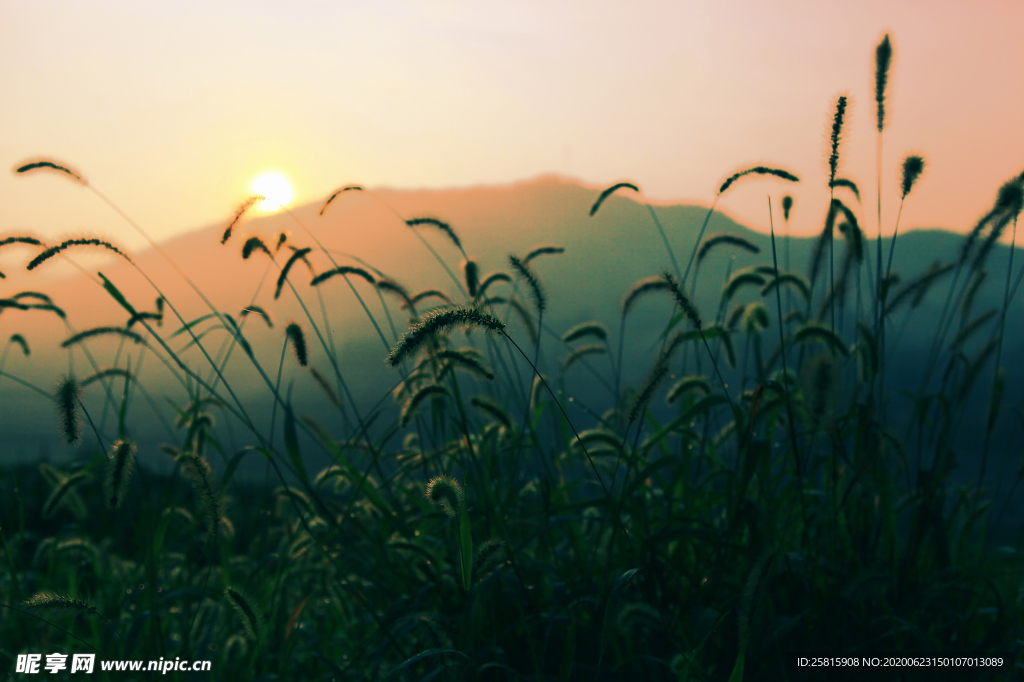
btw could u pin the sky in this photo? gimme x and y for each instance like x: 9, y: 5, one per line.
x: 171, y: 109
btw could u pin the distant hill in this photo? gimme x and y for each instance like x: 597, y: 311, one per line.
x: 603, y: 256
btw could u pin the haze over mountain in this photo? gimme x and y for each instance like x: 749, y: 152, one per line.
x: 603, y: 256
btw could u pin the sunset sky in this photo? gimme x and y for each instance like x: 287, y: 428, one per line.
x: 172, y: 109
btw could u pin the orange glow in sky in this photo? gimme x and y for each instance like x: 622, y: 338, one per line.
x: 171, y: 109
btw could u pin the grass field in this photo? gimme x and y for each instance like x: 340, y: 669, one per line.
x: 481, y: 534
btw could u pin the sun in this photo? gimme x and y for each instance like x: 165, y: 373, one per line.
x: 275, y: 188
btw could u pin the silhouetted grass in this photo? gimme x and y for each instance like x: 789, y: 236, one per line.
x: 474, y: 532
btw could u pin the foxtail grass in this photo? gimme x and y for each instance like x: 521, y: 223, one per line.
x: 68, y: 396
x: 102, y: 331
x: 297, y: 255
x: 246, y: 205
x: 546, y: 250
x: 343, y: 270
x: 441, y: 225
x: 471, y: 272
x: 30, y: 241
x: 253, y: 244
x: 297, y: 338
x: 431, y: 293
x: 524, y: 271
x: 586, y: 329
x: 608, y: 192
x: 360, y: 548
x: 247, y: 610
x: 445, y: 492
x: 255, y: 309
x: 848, y: 184
x: 48, y: 165
x: 19, y: 340
x: 441, y: 320
x: 69, y: 243
x: 119, y: 469
x: 833, y: 165
x: 349, y: 188
x: 463, y: 359
x: 55, y: 602
x: 61, y: 491
x: 490, y: 280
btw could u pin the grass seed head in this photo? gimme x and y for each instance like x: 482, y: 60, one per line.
x: 687, y: 306
x: 246, y: 607
x: 466, y: 360
x: 56, y: 602
x: 19, y: 340
x: 581, y: 352
x: 654, y: 379
x: 787, y: 206
x: 428, y: 391
x: 913, y: 166
x: 431, y: 293
x: 251, y: 244
x: 757, y: 170
x: 119, y: 470
x: 584, y: 329
x: 67, y: 396
x: 246, y: 205
x: 536, y: 290
x: 350, y: 188
x: 440, y: 320
x: 472, y: 274
x: 549, y: 249
x: 848, y: 184
x: 441, y: 225
x: 67, y: 244
x: 259, y: 311
x: 537, y: 391
x: 837, y: 131
x: 641, y: 287
x: 31, y: 241
x: 49, y: 165
x: 343, y: 270
x: 102, y: 331
x: 325, y: 387
x: 195, y: 467
x: 393, y: 287
x: 883, y: 60
x: 693, y: 382
x: 297, y: 254
x: 755, y: 318
x: 1010, y: 198
x: 491, y: 279
x: 61, y: 491
x: 446, y: 492
x: 488, y: 557
x: 608, y: 192
x: 298, y: 340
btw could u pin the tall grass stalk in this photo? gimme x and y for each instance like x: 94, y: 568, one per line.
x: 993, y: 405
x: 883, y: 61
